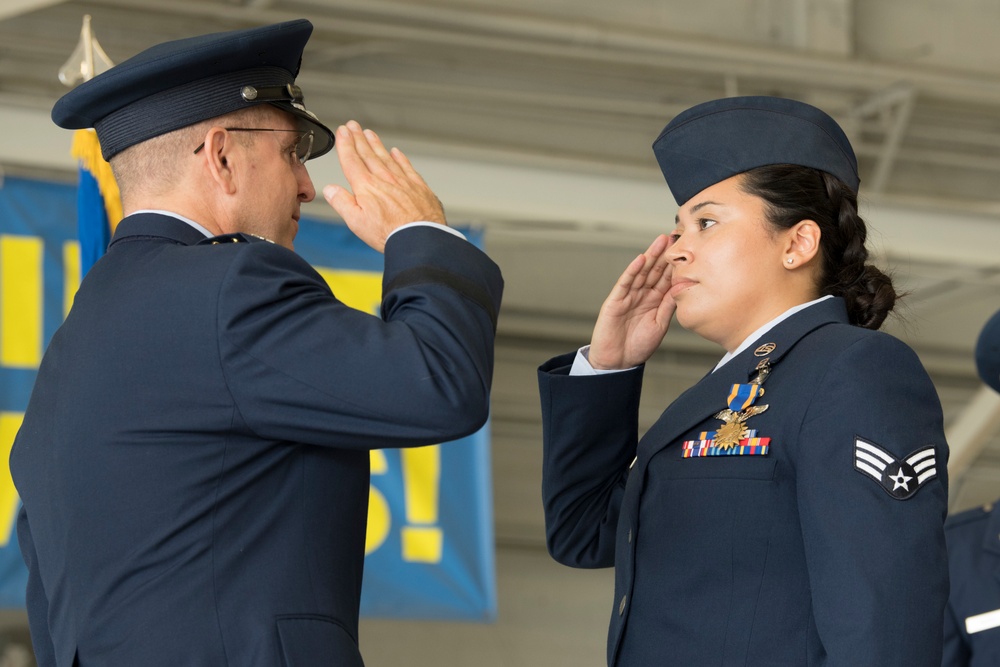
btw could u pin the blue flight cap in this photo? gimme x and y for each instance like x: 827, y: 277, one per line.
x: 713, y: 141
x: 180, y: 83
x: 988, y: 352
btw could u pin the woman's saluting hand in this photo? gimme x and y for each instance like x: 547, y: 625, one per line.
x: 635, y: 316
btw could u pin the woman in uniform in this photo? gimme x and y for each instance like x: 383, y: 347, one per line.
x: 787, y: 510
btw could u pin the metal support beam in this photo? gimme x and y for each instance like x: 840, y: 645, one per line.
x: 895, y: 106
x: 972, y: 430
x: 478, y: 186
x: 576, y: 40
x: 10, y: 8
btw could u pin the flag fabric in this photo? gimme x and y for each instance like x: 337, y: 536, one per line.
x: 99, y: 207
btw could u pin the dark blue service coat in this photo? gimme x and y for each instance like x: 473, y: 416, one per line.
x: 194, y: 460
x: 972, y: 622
x: 827, y: 550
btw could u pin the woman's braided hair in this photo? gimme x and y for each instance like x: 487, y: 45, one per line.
x: 794, y: 193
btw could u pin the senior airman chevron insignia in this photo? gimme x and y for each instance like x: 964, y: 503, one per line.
x: 900, y: 479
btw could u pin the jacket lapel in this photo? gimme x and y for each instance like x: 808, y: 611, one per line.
x: 709, y: 396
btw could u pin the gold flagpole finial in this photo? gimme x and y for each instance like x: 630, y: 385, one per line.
x: 87, y: 60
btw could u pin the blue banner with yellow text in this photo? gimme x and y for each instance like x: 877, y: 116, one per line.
x: 429, y: 550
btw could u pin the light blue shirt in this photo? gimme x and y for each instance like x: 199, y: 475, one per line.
x: 208, y: 234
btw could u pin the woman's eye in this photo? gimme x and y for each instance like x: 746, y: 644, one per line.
x: 705, y: 223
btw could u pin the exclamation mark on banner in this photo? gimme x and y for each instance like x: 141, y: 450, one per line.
x: 421, y: 538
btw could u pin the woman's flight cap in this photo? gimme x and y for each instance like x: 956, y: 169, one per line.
x: 713, y: 141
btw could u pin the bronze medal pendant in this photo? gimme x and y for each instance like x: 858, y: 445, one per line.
x: 734, y: 427
x: 731, y: 432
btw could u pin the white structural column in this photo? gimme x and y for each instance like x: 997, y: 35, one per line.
x: 974, y: 427
x: 824, y: 26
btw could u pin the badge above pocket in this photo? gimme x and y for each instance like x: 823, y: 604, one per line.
x: 734, y: 437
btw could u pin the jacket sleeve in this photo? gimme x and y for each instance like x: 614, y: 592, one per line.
x: 956, y: 652
x: 971, y: 578
x: 589, y: 435
x: 302, y: 366
x: 877, y: 561
x: 36, y: 601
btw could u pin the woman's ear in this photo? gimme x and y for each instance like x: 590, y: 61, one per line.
x: 218, y: 154
x: 802, y: 244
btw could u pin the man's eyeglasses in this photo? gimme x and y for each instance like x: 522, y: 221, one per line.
x: 303, y: 145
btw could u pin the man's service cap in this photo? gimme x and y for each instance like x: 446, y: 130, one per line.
x: 713, y: 141
x: 180, y: 83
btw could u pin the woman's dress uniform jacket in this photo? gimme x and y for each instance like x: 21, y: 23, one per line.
x: 972, y: 622
x: 194, y: 460
x: 825, y: 550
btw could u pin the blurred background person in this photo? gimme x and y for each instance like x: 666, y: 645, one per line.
x: 972, y: 620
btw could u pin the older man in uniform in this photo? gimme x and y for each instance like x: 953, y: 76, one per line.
x: 193, y: 462
x: 972, y: 619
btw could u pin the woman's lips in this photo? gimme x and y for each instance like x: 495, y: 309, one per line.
x: 678, y: 285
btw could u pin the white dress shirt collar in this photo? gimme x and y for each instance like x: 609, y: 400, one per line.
x: 767, y: 327
x: 189, y: 221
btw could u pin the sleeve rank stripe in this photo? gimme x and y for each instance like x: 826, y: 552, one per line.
x: 926, y: 476
x: 875, y: 463
x: 922, y: 454
x: 872, y: 449
x: 864, y: 467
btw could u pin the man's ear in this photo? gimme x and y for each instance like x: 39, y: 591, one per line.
x: 218, y: 154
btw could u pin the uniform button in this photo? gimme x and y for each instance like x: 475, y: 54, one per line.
x: 621, y: 605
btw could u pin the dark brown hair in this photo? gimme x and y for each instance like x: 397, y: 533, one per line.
x: 794, y: 193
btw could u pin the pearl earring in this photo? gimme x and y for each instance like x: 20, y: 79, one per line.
x: 790, y: 260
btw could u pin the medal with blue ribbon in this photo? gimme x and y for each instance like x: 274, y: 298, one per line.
x: 733, y: 437
x: 741, y: 408
x: 742, y: 396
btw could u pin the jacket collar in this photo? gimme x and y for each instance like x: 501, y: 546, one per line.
x: 786, y: 334
x: 707, y: 397
x: 146, y: 225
